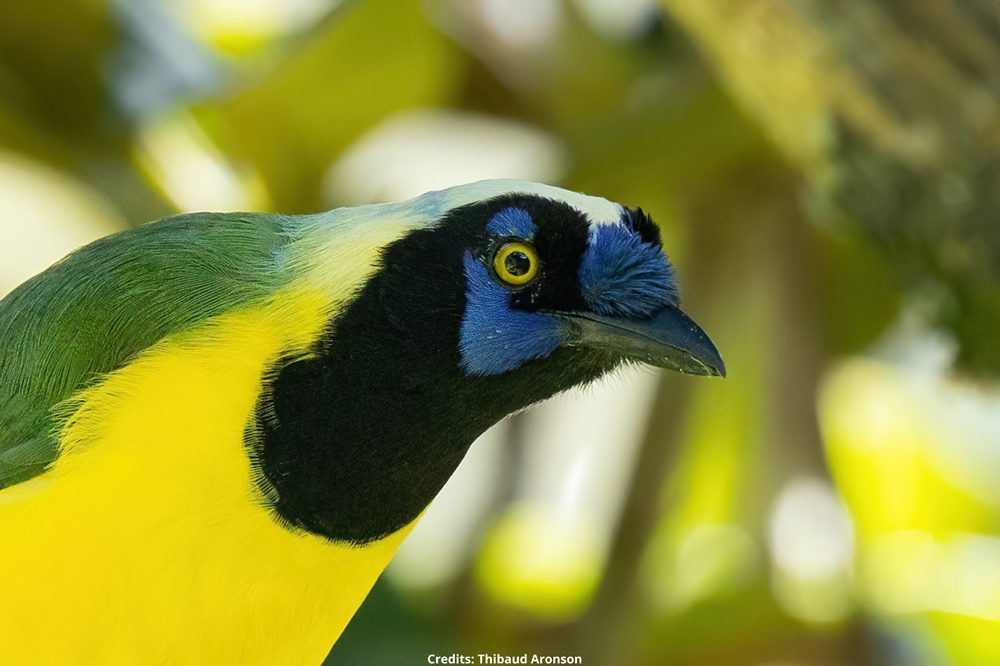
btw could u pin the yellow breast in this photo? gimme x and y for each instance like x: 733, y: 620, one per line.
x: 147, y: 541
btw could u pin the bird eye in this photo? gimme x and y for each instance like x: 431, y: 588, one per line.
x: 516, y: 263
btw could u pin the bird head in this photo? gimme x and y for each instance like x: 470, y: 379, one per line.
x: 485, y: 299
x: 540, y: 275
x: 509, y: 280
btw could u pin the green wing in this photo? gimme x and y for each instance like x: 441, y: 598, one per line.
x: 97, y: 308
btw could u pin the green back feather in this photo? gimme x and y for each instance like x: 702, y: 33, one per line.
x: 100, y: 306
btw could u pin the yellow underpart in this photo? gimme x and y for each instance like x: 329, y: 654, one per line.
x: 147, y: 542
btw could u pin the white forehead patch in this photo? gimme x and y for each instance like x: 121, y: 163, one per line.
x: 597, y: 210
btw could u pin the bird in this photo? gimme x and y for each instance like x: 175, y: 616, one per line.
x: 216, y: 429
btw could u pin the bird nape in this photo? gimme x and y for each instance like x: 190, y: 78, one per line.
x: 215, y: 430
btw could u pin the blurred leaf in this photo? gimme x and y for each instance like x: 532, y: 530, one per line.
x: 51, y: 62
x: 969, y: 641
x: 892, y: 451
x: 371, y: 59
x: 858, y: 292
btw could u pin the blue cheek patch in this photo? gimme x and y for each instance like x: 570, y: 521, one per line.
x: 620, y: 275
x: 512, y: 222
x: 495, y: 339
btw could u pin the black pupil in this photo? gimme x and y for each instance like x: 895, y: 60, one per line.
x: 517, y: 263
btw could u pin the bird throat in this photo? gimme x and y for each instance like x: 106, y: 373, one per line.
x: 354, y: 444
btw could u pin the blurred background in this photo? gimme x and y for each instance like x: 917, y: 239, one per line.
x: 826, y: 176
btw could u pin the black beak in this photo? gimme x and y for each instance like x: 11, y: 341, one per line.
x: 668, y: 339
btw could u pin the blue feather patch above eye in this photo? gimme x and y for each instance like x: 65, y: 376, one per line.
x: 495, y: 339
x: 512, y: 222
x: 621, y: 275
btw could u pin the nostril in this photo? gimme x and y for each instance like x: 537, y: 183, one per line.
x: 622, y: 275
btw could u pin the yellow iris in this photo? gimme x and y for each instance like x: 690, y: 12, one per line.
x: 516, y: 263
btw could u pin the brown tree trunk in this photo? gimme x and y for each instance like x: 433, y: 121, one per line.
x: 891, y: 110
